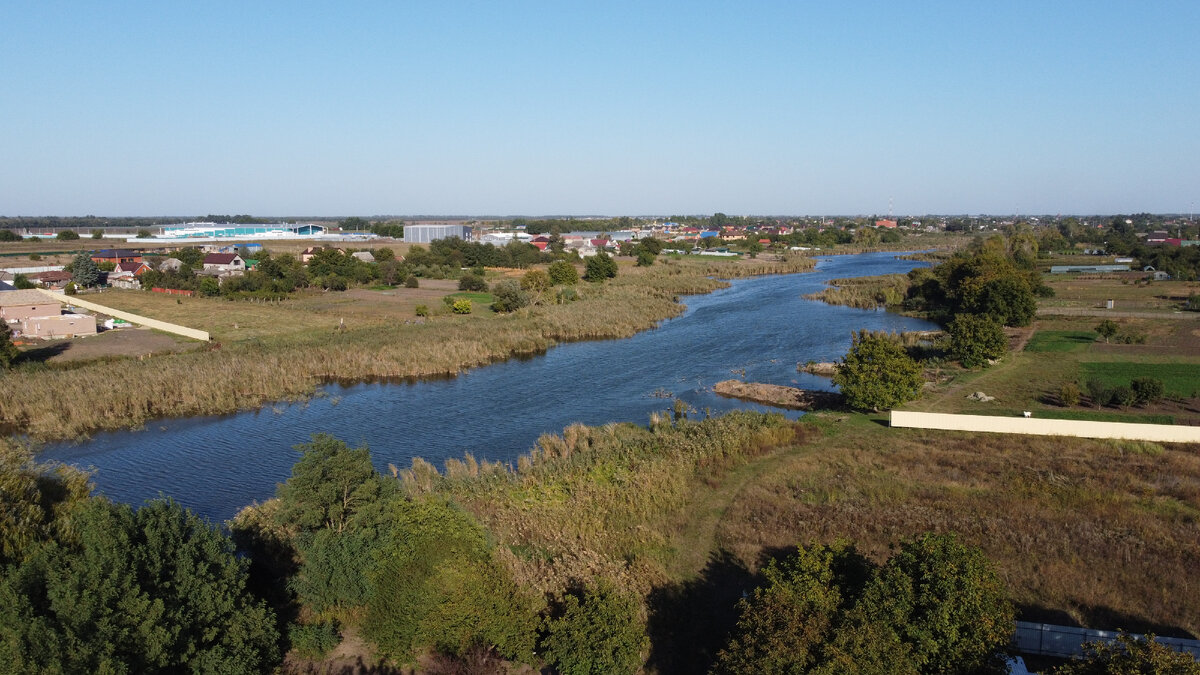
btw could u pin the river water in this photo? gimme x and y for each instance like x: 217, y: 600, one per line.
x: 757, y: 330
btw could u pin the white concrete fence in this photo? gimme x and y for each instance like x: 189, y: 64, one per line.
x: 1045, y: 639
x: 1159, y: 433
x: 130, y: 317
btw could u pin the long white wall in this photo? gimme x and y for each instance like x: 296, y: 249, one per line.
x: 1160, y: 433
x: 131, y: 318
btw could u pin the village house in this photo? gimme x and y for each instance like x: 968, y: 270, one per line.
x: 308, y: 253
x: 116, y: 256
x: 53, y: 279
x: 16, y: 306
x: 365, y: 256
x: 224, y: 263
x: 170, y: 265
x: 125, y: 275
x: 59, y: 326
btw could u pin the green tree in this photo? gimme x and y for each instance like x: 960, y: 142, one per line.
x: 84, y: 270
x: 21, y: 281
x: 600, y: 267
x: 754, y: 247
x: 877, y: 373
x: 97, y: 234
x: 596, y: 629
x: 145, y: 233
x: 8, y: 351
x: 1129, y: 655
x: 974, y: 340
x: 1107, y: 329
x: 210, y: 287
x: 563, y: 273
x: 67, y: 235
x: 156, y: 590
x: 9, y: 235
x: 956, y: 616
x: 1007, y: 299
x: 328, y: 485
x: 644, y: 258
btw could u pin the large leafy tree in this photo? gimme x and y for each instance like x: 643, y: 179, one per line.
x: 974, y: 340
x: 1130, y: 656
x: 877, y: 373
x: 934, y: 607
x: 329, y: 483
x: 148, y: 591
x: 563, y: 273
x: 596, y: 629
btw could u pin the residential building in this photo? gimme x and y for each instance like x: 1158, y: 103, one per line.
x: 16, y: 306
x: 224, y: 262
x: 116, y: 256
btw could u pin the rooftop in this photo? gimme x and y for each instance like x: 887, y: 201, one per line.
x: 23, y: 297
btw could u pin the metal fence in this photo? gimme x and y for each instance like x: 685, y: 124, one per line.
x: 1043, y: 639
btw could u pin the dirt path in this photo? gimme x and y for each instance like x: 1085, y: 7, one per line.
x: 1114, y: 314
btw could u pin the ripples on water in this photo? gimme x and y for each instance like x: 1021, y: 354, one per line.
x: 762, y: 326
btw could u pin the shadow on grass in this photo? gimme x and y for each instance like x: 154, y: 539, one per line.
x: 691, y: 621
x: 43, y: 354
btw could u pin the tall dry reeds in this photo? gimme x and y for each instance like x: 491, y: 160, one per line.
x: 865, y: 292
x: 72, y: 401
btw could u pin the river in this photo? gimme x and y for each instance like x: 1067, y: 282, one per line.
x: 758, y: 329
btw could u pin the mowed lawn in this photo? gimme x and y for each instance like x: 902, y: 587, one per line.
x: 1182, y: 380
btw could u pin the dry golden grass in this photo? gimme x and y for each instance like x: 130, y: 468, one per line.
x: 286, y: 351
x: 1106, y: 532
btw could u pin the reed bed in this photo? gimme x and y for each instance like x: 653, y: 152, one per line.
x: 607, y: 500
x: 70, y: 402
x: 865, y: 292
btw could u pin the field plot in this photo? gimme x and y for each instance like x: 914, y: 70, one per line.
x: 1127, y: 294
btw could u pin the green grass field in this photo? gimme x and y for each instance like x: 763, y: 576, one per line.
x: 1181, y: 379
x: 1060, y: 340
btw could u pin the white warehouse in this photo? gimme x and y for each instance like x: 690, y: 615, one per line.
x: 424, y: 233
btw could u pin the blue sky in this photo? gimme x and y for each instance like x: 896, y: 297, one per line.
x: 614, y: 108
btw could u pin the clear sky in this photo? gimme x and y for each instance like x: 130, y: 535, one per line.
x: 617, y: 108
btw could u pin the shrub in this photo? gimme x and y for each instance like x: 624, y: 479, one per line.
x: 145, y: 234
x: 422, y: 310
x: 536, y: 281
x: 314, y: 641
x: 97, y: 234
x: 71, y: 288
x: 645, y: 258
x: 9, y: 235
x: 67, y: 235
x: 600, y: 267
x: 35, y: 256
x: 1130, y: 654
x: 596, y: 630
x: 21, y: 281
x: 411, y: 281
x: 210, y: 287
x: 1147, y: 390
x: 566, y: 295
x: 472, y: 282
x: 334, y: 282
x: 563, y: 273
x: 509, y: 297
x: 1069, y: 394
x: 461, y: 306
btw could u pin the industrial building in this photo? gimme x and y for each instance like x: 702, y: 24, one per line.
x: 423, y: 233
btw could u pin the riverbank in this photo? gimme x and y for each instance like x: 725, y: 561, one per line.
x: 74, y: 400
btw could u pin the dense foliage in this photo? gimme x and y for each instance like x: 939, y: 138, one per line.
x: 8, y: 351
x: 596, y: 630
x: 91, y: 586
x: 976, y: 339
x: 877, y: 373
x: 994, y: 277
x: 935, y: 607
x: 1130, y: 656
x: 600, y: 267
